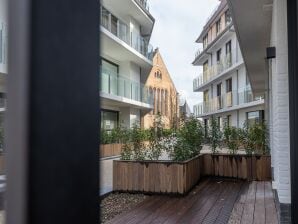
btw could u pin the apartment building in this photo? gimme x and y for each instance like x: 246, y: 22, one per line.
x: 226, y: 88
x: 126, y: 60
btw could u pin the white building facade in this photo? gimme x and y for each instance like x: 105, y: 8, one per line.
x: 227, y: 94
x: 126, y: 60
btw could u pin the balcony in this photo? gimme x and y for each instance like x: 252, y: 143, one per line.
x: 124, y: 90
x: 121, y: 30
x: 202, y: 54
x: 228, y: 101
x: 213, y: 72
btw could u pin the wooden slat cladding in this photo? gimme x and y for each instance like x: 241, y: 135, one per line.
x: 156, y: 177
x: 110, y: 150
x: 237, y: 166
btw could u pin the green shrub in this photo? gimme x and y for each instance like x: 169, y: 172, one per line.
x: 189, y: 140
x: 254, y: 138
x: 231, y: 138
x: 155, y: 146
x: 215, y: 135
x: 126, y: 152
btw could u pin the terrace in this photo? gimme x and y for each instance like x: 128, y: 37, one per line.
x: 192, y: 185
x: 214, y: 200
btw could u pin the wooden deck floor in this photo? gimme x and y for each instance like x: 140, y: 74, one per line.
x: 212, y: 201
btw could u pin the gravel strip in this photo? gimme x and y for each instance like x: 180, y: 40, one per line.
x: 116, y: 203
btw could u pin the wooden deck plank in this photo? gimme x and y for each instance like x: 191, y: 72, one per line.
x: 229, y: 202
x: 183, y: 203
x: 259, y: 212
x: 212, y: 201
x: 203, y: 205
x: 237, y: 211
x: 270, y: 207
x: 180, y: 210
x: 249, y: 206
x: 214, y: 211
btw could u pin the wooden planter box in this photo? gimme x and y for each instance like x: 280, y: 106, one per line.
x: 156, y: 176
x: 108, y: 150
x: 254, y: 167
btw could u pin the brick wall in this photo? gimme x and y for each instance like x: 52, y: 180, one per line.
x: 279, y: 129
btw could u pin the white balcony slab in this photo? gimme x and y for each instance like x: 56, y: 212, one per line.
x: 119, y: 101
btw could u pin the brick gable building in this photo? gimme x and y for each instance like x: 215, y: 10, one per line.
x: 164, y: 93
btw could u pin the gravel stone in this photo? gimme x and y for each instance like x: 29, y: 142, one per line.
x: 116, y: 203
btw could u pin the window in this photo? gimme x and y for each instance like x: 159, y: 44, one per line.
x: 109, y: 119
x: 151, y: 92
x: 229, y: 121
x: 205, y: 41
x: 109, y: 77
x: 105, y: 15
x: 219, y: 89
x: 229, y: 53
x: 158, y: 75
x: 205, y: 68
x: 228, y: 17
x: 218, y: 26
x: 254, y: 117
x: 114, y: 25
x: 229, y: 85
x: 219, y: 98
x: 218, y: 56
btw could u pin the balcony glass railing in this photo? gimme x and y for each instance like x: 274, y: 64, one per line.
x: 229, y: 99
x: 213, y: 71
x: 121, y: 30
x: 114, y: 84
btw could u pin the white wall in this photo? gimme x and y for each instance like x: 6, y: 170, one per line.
x: 280, y: 145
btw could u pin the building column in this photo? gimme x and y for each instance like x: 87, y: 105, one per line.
x: 52, y: 147
x: 292, y: 32
x: 280, y: 106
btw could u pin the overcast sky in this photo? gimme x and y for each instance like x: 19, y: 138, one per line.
x: 177, y: 25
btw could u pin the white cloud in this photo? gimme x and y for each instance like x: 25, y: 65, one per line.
x: 177, y: 25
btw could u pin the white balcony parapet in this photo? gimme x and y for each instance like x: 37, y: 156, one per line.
x: 213, y: 71
x: 228, y: 100
x: 117, y: 85
x: 121, y: 30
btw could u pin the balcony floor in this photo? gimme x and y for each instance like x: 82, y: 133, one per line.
x: 212, y: 201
